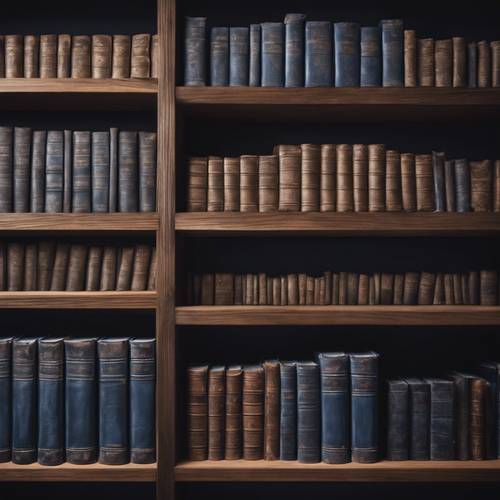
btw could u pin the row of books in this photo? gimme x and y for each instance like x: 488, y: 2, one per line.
x: 77, y: 400
x: 77, y: 171
x: 329, y: 410
x: 345, y: 288
x: 57, y: 265
x: 296, y: 53
x: 342, y: 178
x: 79, y: 56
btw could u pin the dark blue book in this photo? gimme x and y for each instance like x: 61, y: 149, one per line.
x: 308, y: 413
x: 113, y: 400
x: 347, y: 55
x: 142, y: 401
x: 239, y: 48
x: 294, y: 50
x: 392, y: 53
x: 100, y: 172
x: 335, y: 399
x: 54, y: 171
x: 219, y: 57
x: 24, y: 354
x: 462, y: 185
x: 397, y: 420
x: 5, y: 398
x: 371, y: 57
x: 51, y: 401
x: 472, y: 64
x: 438, y: 160
x: 491, y: 372
x: 319, y: 54
x: 288, y: 411
x: 255, y: 56
x: 80, y: 401
x: 420, y: 418
x: 81, y: 200
x: 273, y: 52
x: 364, y: 407
x: 195, y: 51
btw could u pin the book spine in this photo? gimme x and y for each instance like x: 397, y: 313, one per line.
x: 462, y: 415
x: 215, y: 190
x: 80, y: 57
x: 22, y: 155
x: 30, y: 264
x: 253, y: 412
x: 63, y: 56
x: 6, y: 168
x: 67, y: 171
x: 289, y: 178
x: 58, y: 278
x: 294, y: 50
x: 140, y: 56
x: 45, y: 264
x: 93, y: 274
x: 328, y: 179
x: 310, y: 177
x: 147, y: 171
x: 120, y: 64
x: 100, y: 171
x: 273, y: 49
x: 255, y: 55
x: 426, y: 288
x: 128, y: 172
x: 197, y: 184
x: 195, y: 51
x: 268, y: 183
x: 462, y: 180
x: 75, y: 280
x: 376, y: 177
x: 108, y: 273
x: 410, y: 58
x: 113, y: 169
x: 288, y: 411
x: 239, y: 48
x: 392, y: 53
x: 496, y: 187
x: 363, y: 289
x: 37, y: 199
x: 398, y: 289
x: 438, y: 160
x: 393, y: 187
x: 48, y: 56
x: 15, y: 266
x: 483, y: 64
x: 272, y: 410
x: 14, y: 56
x: 224, y: 289
x: 81, y: 200
x: 479, y: 388
x: 142, y: 258
x: 426, y: 76
x: 345, y: 193
x: 442, y: 437
x: 125, y: 268
x: 360, y: 177
x: 219, y: 57
x: 5, y: 399
x: 249, y: 183
x: 397, y: 420
x: 371, y: 56
x: 216, y: 403
x: 459, y: 61
x: 318, y: 54
x: 152, y: 270
x: 347, y: 55
x: 449, y: 183
x: 232, y: 184
x: 424, y: 183
x: 101, y: 56
x: 197, y: 413
x: 443, y: 55
x: 488, y: 282
x: 439, y: 296
x: 54, y: 171
x: 419, y: 420
x: 472, y: 64
x: 31, y: 52
x: 155, y: 55
x: 2, y: 56
x: 207, y: 290
x: 481, y: 183
x: 495, y: 63
x: 234, y: 419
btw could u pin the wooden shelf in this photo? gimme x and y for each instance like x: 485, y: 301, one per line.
x: 241, y: 470
x: 338, y: 315
x: 338, y: 224
x: 70, y: 472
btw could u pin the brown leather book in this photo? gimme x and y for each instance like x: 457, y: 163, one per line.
x: 426, y: 62
x: 15, y: 266
x: 215, y: 193
x: 459, y: 61
x: 197, y: 184
x: 488, y: 288
x: 155, y: 56
x: 142, y: 258
x: 255, y: 283
x: 289, y: 177
x: 328, y: 275
x: 483, y: 64
x: 121, y: 56
x: 410, y: 58
x: 248, y: 290
x: 101, y: 56
x: 328, y: 178
x: 439, y: 297
x: 75, y: 279
x: 140, y: 58
x: 377, y: 288
x: 292, y: 295
x: 322, y: 291
x: 238, y: 290
x: 363, y: 289
x: 276, y: 291
x: 410, y: 290
x: 496, y: 187
x: 272, y: 410
x: 376, y: 177
x: 449, y: 295
x: 197, y: 412
x: 393, y: 190
x: 269, y: 290
x: 424, y: 183
x: 310, y: 177
x: 152, y: 271
x: 216, y: 412
x: 30, y: 264
x: 268, y: 183
x: 457, y: 289
x: 233, y: 425
x: 309, y: 291
x: 125, y: 267
x: 108, y: 273
x: 249, y: 183
x: 31, y: 52
x: 317, y: 291
x: 449, y: 183
x: 478, y: 394
x: 464, y: 282
x: 426, y: 288
x: 335, y: 288
x: 399, y: 282
x: 495, y: 63
x: 231, y: 184
x: 45, y: 265
x: 343, y: 288
x: 345, y: 194
x: 474, y: 287
x: 408, y: 182
x: 207, y: 289
x: 253, y: 412
x: 48, y: 56
x: 371, y: 290
x: 2, y: 56
x: 386, y: 289
x: 94, y: 263
x: 262, y: 292
x: 443, y: 54
x: 80, y: 56
x: 481, y: 185
x: 302, y: 285
x: 284, y: 289
x: 352, y: 288
x: 63, y: 56
x: 14, y: 56
x: 59, y: 272
x: 224, y: 289
x: 360, y: 177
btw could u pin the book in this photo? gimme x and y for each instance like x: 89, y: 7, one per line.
x: 273, y: 51
x: 371, y: 57
x: 392, y: 53
x: 54, y: 171
x: 496, y: 187
x: 318, y: 54
x: 449, y: 185
x: 344, y: 163
x: 75, y: 279
x: 439, y: 293
x: 194, y: 51
x: 22, y: 155
x: 410, y: 58
x: 140, y: 270
x: 197, y: 412
x: 80, y: 56
x: 6, y: 168
x: 347, y: 54
x: 393, y: 186
x: 81, y: 199
x: 128, y: 172
x: 224, y: 289
x: 294, y: 50
x: 125, y: 269
x: 288, y: 411
x: 443, y: 55
x: 438, y: 162
x: 232, y: 184
x: 254, y: 69
x: 376, y: 177
x: 249, y: 183
x: 397, y: 420
x: 216, y: 407
x: 2, y: 56
x: 488, y: 288
x: 120, y: 60
x: 234, y: 417
x: 15, y: 266
x: 100, y: 171
x: 462, y: 185
x: 253, y: 412
x: 147, y: 171
x: 45, y: 264
x: 108, y: 272
x: 490, y: 371
x: 483, y: 64
x: 219, y: 56
x: 424, y: 183
x: 478, y: 396
x: 426, y: 62
x: 101, y: 56
x: 215, y: 184
x: 67, y: 171
x: 93, y: 272
x: 61, y: 258
x: 140, y: 56
x: 310, y: 177
x: 495, y: 63
x: 5, y: 398
x: 419, y: 397
x: 239, y: 48
x: 14, y: 56
x: 152, y: 270
x: 197, y: 184
x: 462, y: 385
x: 30, y: 266
x: 363, y: 289
x: 63, y: 56
x: 38, y: 155
x: 328, y: 178
x: 48, y: 56
x: 459, y: 49
x: 481, y: 183
x: 271, y: 410
x: 289, y: 177
x: 360, y: 177
x: 268, y: 183
x: 31, y: 53
x: 472, y: 64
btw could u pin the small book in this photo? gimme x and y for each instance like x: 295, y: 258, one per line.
x: 309, y: 291
x: 344, y: 163
x: 292, y: 292
x: 6, y: 168
x: 197, y: 413
x: 128, y: 172
x: 268, y: 183
x: 37, y: 200
x: 147, y: 171
x: 249, y: 183
x: 60, y: 269
x: 318, y: 54
x: 481, y: 184
x: 45, y: 264
x: 360, y: 177
x: 232, y: 184
x: 31, y: 53
x: 101, y: 56
x: 459, y: 49
x: 386, y: 288
x: 100, y: 171
x: 488, y: 288
x: 125, y: 269
x: 239, y: 48
x: 328, y: 178
x: 15, y: 266
x: 219, y: 57
x: 255, y: 56
x: 462, y: 185
x: 393, y: 186
x: 449, y: 295
x: 426, y: 62
x: 234, y: 420
x: 224, y: 289
x: 5, y: 399
x: 371, y: 57
x: 294, y: 50
x: 140, y: 56
x: 420, y: 401
x: 48, y: 56
x: 215, y: 184
x: 289, y: 177
x: 207, y: 290
x: 426, y: 288
x: 14, y: 56
x: 197, y: 184
x: 194, y: 51
x: 288, y: 411
x: 94, y: 263
x: 449, y: 185
x: 22, y: 156
x: 262, y: 278
x: 363, y: 290
x: 120, y: 62
x: 397, y: 420
x: 424, y: 183
x: 108, y: 272
x: 152, y: 271
x: 273, y: 51
x: 80, y: 56
x: 253, y: 412
x: 63, y: 56
x: 310, y: 177
x: 67, y: 171
x: 75, y: 280
x: 81, y: 200
x: 140, y: 271
x: 30, y: 265
x: 392, y: 53
x: 410, y: 58
x: 483, y: 64
x: 411, y: 288
x: 457, y: 289
x: 398, y: 289
x: 376, y: 177
x: 352, y: 288
x: 216, y: 408
x: 439, y: 294
x: 438, y: 161
x: 443, y: 55
x: 347, y: 54
x: 272, y: 410
x: 472, y: 64
x: 54, y: 171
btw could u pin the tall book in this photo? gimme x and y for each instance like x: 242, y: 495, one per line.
x: 462, y: 185
x: 5, y: 398
x: 128, y: 172
x: 63, y: 56
x: 194, y: 51
x: 347, y: 54
x: 75, y: 279
x: 424, y: 183
x: 67, y: 171
x: 481, y: 183
x: 289, y: 177
x: 392, y: 53
x: 288, y: 411
x: 410, y: 58
x: 219, y: 56
x: 318, y: 54
x: 81, y: 201
x: 253, y: 412
x: 268, y: 183
x: 48, y: 56
x: 234, y: 416
x: 472, y: 64
x: 216, y: 409
x: 239, y: 47
x: 31, y: 53
x: 101, y: 56
x: 443, y: 53
x: 80, y: 56
x: 371, y: 57
x: 273, y: 50
x: 393, y: 186
x: 491, y: 372
x: 197, y: 184
x: 93, y: 271
x: 14, y: 56
x: 197, y: 412
x: 255, y: 63
x: 232, y: 173
x: 147, y: 171
x: 462, y: 385
x: 22, y: 155
x: 426, y: 66
x: 459, y: 49
x: 328, y: 178
x: 6, y: 168
x: 37, y: 198
x: 478, y: 405
x: 272, y: 410
x: 360, y: 177
x: 100, y: 171
x: 438, y: 160
x: 54, y: 171
x: 397, y: 420
x: 483, y: 64
x: 294, y: 50
x: 249, y: 183
x: 420, y: 400
x: 376, y: 177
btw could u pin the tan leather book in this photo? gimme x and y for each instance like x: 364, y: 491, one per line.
x: 386, y: 289
x: 109, y: 264
x: 443, y: 54
x: 142, y: 258
x: 495, y: 63
x: 120, y: 65
x: 48, y: 56
x: 276, y: 291
x: 410, y: 290
x: 75, y: 279
x: 216, y: 412
x: 94, y: 264
x: 483, y: 64
x: 496, y: 187
x: 289, y: 157
x: 2, y: 56
x: 152, y: 271
x: 335, y: 288
x: 328, y: 178
x: 393, y: 189
x: 101, y: 56
x: 292, y: 284
x: 345, y: 194
x: 352, y: 288
x: 15, y: 266
x: 238, y: 290
x: 272, y: 410
x: 63, y: 56
x: 30, y: 264
x: 233, y: 425
x: 255, y: 283
x: 410, y: 58
x: 310, y: 177
x: 376, y: 177
x: 488, y: 288
x: 457, y: 289
x: 140, y: 58
x: 426, y: 288
x: 197, y: 413
x: 125, y: 267
x: 478, y: 394
x: 247, y: 290
x: 343, y: 284
x: 408, y: 182
x: 474, y: 287
x: 322, y: 289
x: 80, y: 56
x: 328, y: 275
x: 399, y: 283
x: 449, y: 295
x: 316, y: 292
x: 215, y: 193
x: 426, y: 62
x: 283, y: 290
x: 253, y: 412
x: 231, y: 184
x: 60, y: 271
x: 14, y: 56
x: 249, y: 183
x: 464, y: 282
x: 459, y: 61
x: 262, y: 279
x: 424, y: 183
x: 224, y: 289
x: 197, y: 184
x: 377, y: 288
x: 268, y: 183
x: 439, y: 297
x: 360, y: 177
x: 46, y: 251
x: 31, y: 53
x: 309, y: 291
x: 481, y: 185
x: 155, y: 56
x: 302, y: 280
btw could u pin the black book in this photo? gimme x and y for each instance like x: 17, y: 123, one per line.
x: 113, y: 169
x: 128, y: 172
x: 491, y: 372
x: 195, y: 51
x: 462, y: 383
x: 420, y: 400
x: 147, y: 171
x: 5, y: 399
x: 6, y: 168
x: 371, y: 57
x: 288, y: 411
x: 255, y: 55
x: 68, y: 171
x: 397, y: 420
x: 462, y: 185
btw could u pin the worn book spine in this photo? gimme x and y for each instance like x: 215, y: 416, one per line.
x: 318, y: 54
x: 108, y: 272
x: 294, y: 50
x: 472, y: 64
x: 309, y: 291
x: 443, y: 55
x: 483, y: 64
x: 232, y: 172
x: 60, y: 268
x: 439, y: 295
x: 386, y: 288
x: 37, y: 198
x: 140, y: 56
x: 488, y: 283
x: 2, y: 56
x: 63, y: 56
x: 81, y: 199
x: 288, y: 411
x: 101, y: 56
x: 462, y: 185
x: 397, y: 420
x: 3, y: 266
x: 495, y: 63
x: 360, y: 177
x: 426, y: 62
x: 255, y: 62
x: 262, y: 290
x: 328, y: 178
x: 273, y: 51
x: 398, y: 289
x: 491, y: 372
x: 352, y: 288
x: 376, y: 177
x: 438, y: 160
x: 478, y: 394
x: 420, y: 398
x: 393, y: 187
x: 197, y: 413
x: 128, y: 172
x: 292, y: 290
x: 120, y: 64
x: 147, y: 171
x: 462, y: 390
x: 5, y: 399
x: 100, y: 171
x: 93, y: 273
x: 239, y: 49
x: 215, y: 184
x: 224, y: 289
x: 459, y: 49
x: 496, y: 187
x: 424, y: 183
x: 449, y: 185
x: 426, y: 288
x: 371, y: 56
x: 155, y: 55
x: 410, y: 58
x: 249, y: 183
x: 197, y: 182
x: 67, y: 171
x: 268, y: 183
x: 216, y: 407
x: 6, y: 168
x: 195, y: 51
x: 272, y: 410
x: 481, y: 184
x: 253, y: 412
x: 289, y: 177
x: 344, y: 163
x: 207, y: 290
x: 45, y: 264
x: 140, y: 272
x: 48, y: 56
x: 310, y: 177
x: 152, y: 270
x: 80, y: 56
x: 51, y: 401
x: 392, y: 53
x: 457, y: 289
x: 363, y: 290
x: 31, y: 53
x: 410, y: 292
x: 125, y: 269
x: 233, y: 413
x: 449, y: 297
x: 22, y: 156
x: 219, y: 57
x: 14, y: 56
x: 464, y: 281
x: 54, y: 171
x: 347, y: 54
x: 15, y: 266
x: 75, y: 279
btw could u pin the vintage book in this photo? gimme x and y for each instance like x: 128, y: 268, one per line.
x: 5, y: 398
x: 376, y: 177
x: 411, y: 288
x: 363, y: 289
x: 232, y: 184
x: 30, y: 267
x: 6, y: 168
x: 408, y: 182
x: 125, y: 268
x: 140, y: 56
x: 197, y: 413
x: 308, y: 413
x: 224, y: 289
x: 393, y: 188
x: 495, y: 63
x: 3, y: 266
x: 248, y: 290
x: 100, y: 171
x: 93, y: 274
x: 397, y: 420
x: 449, y: 295
x: 294, y: 50
x: 128, y: 172
x: 343, y: 288
x: 310, y: 177
x: 253, y: 412
x: 317, y: 291
x: 302, y: 286
x: 443, y: 55
x: 360, y: 177
x: 59, y: 271
x: 426, y: 288
x: 449, y: 185
x: 142, y: 401
x: 457, y: 289
x: 50, y: 401
x: 67, y: 171
x: 352, y: 288
x: 483, y: 64
x: 328, y: 277
x: 207, y: 289
x: 249, y: 183
x: 459, y: 62
x: 392, y: 53
x: 344, y: 163
x: 152, y: 271
x: 335, y: 407
x: 496, y: 187
x: 410, y: 58
x: 233, y: 424
x: 262, y: 289
x: 318, y: 54
x: 347, y: 54
x: 488, y: 288
x: 15, y: 266
x: 335, y: 288
x: 255, y: 56
x: 426, y: 62
x: 438, y: 159
x: 371, y: 57
x: 328, y: 178
x: 478, y: 395
x: 101, y: 56
x: 108, y: 272
x: 239, y: 42
x: 276, y: 283
x: 14, y: 56
x: 386, y: 288
x: 80, y: 56
x: 46, y: 251
x: 462, y: 388
x: 120, y: 63
x: 292, y: 294
x: 219, y: 56
x: 2, y: 56
x: 48, y: 56
x: 268, y: 183
x: 54, y: 171
x: 289, y: 177
x: 371, y: 290
x: 424, y: 183
x: 31, y: 53
x: 215, y: 184
x: 273, y: 51
x: 439, y: 294
x: 419, y: 398
x: 238, y: 290
x: 197, y: 184
x: 288, y: 411
x: 22, y: 155
x: 284, y: 288
x: 81, y: 199
x: 491, y: 372
x: 37, y: 199
x: 155, y: 55
x: 398, y: 289
x: 462, y: 185
x: 194, y: 51
x: 75, y: 279
x: 63, y: 56
x: 464, y: 281
x: 472, y: 64
x: 147, y: 171
x: 272, y: 410
x: 481, y: 184
x: 216, y: 409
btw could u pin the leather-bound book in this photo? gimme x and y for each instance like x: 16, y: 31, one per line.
x: 128, y: 172
x: 392, y: 53
x: 345, y: 194
x: 318, y: 54
x: 48, y: 56
x: 142, y: 401
x: 54, y: 171
x: 464, y: 282
x: 80, y: 56
x: 219, y: 56
x: 457, y: 289
x: 399, y: 280
x: 284, y: 288
x: 438, y: 160
x: 140, y: 273
x: 371, y: 56
x: 462, y: 184
x: 46, y: 251
x: 424, y: 183
x: 490, y: 371
x: 108, y: 273
x: 15, y: 266
x: 292, y: 290
x: 31, y: 53
x: 397, y: 420
x: 120, y: 64
x: 309, y: 291
x: 101, y: 56
x: 75, y: 279
x: 24, y: 400
x: 255, y: 62
x: 472, y: 57
x: 22, y: 155
x: 308, y: 413
x: 197, y: 413
x: 481, y: 183
x: 277, y: 292
x: 426, y: 62
x: 248, y: 289
x: 478, y: 395
x: 386, y: 288
x: 352, y: 288
x: 67, y: 171
x: 147, y: 171
x: 197, y: 184
x: 140, y: 56
x: 63, y: 56
x: 495, y: 63
x: 100, y: 171
x: 462, y: 388
x: 335, y: 397
x: 195, y: 51
x: 483, y: 64
x: 239, y: 48
x: 411, y: 288
x: 58, y: 279
x: 232, y: 184
x: 81, y: 200
x: 363, y: 290
x: 288, y: 411
x: 216, y: 412
x: 310, y: 177
x: 496, y: 187
x: 408, y: 182
x: 343, y: 287
x: 233, y: 424
x: 224, y: 289
x: 5, y: 398
x: 152, y: 270
x: 253, y: 412
x: 376, y: 177
x: 289, y: 177
x: 6, y: 168
x: 449, y: 295
x: 439, y: 295
x: 488, y: 282
x: 155, y: 55
x: 328, y: 276
x: 393, y: 188
x: 30, y: 265
x: 215, y: 190
x: 249, y: 183
x: 2, y: 56
x: 426, y: 288
x: 268, y: 183
x: 410, y: 58
x: 328, y: 178
x: 302, y: 285
x: 50, y: 401
x: 360, y: 177
x: 335, y: 288
x: 420, y: 418
x: 347, y: 54
x: 459, y: 49
x: 449, y: 185
x: 207, y: 289
x: 443, y: 54
x: 14, y: 56
x: 125, y: 269
x: 322, y: 287
x: 273, y: 54
x: 317, y: 291
x: 272, y: 410
x: 94, y: 263
x: 262, y: 280
x: 294, y: 50
x: 37, y: 199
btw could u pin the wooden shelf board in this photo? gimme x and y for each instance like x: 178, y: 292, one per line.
x: 338, y: 315
x: 261, y: 470
x: 339, y: 224
x: 70, y: 472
